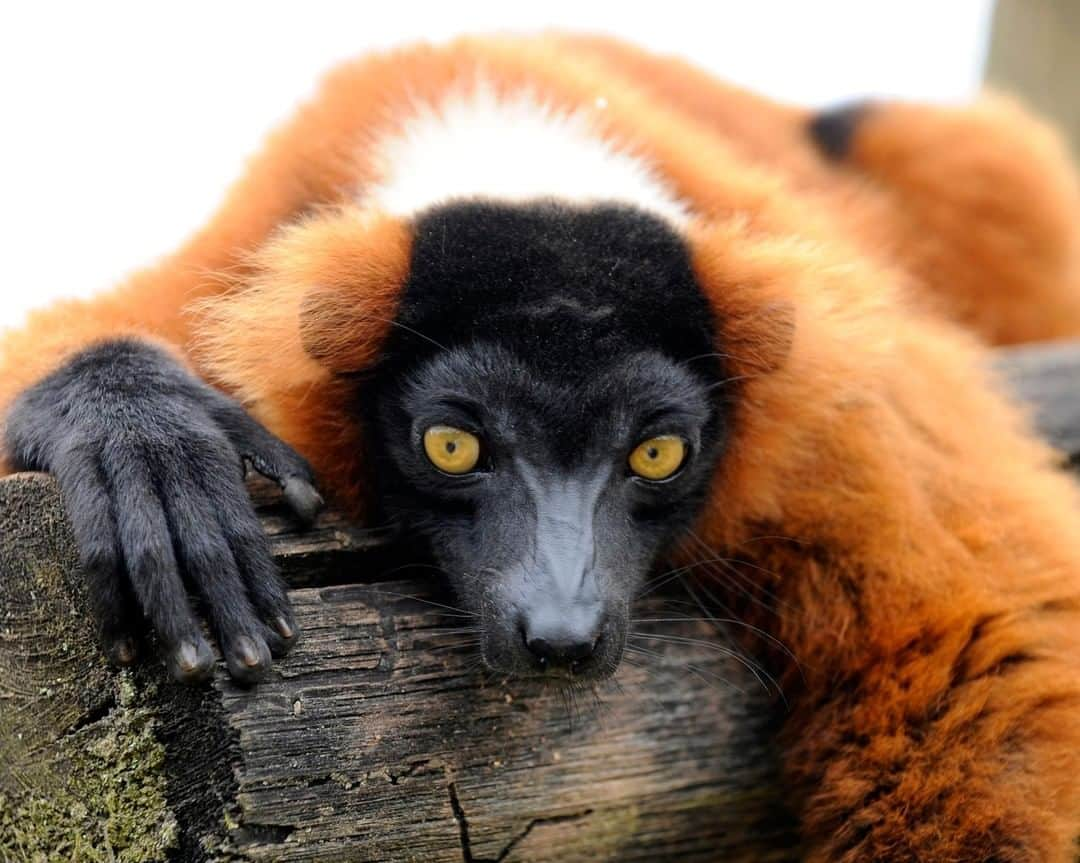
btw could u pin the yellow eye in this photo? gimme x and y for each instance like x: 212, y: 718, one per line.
x: 451, y: 450
x: 658, y: 457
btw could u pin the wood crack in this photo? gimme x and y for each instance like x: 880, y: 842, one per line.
x: 537, y: 822
x: 463, y: 824
x: 467, y: 855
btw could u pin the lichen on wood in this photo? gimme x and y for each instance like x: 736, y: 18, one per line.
x: 97, y: 795
x: 81, y: 774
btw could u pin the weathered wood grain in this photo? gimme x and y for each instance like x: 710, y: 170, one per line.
x: 379, y: 715
x: 379, y: 738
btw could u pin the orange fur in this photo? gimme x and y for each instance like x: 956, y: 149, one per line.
x: 979, y: 203
x: 918, y: 547
x: 314, y: 304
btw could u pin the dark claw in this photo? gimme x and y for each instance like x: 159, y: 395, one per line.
x: 122, y: 652
x: 248, y: 659
x: 281, y: 636
x: 245, y: 649
x: 284, y: 628
x: 303, y: 498
x: 192, y: 662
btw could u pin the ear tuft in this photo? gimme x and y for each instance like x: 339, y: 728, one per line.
x: 344, y: 319
x: 339, y: 333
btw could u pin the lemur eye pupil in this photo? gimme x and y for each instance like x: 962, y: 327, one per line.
x: 452, y: 450
x: 658, y: 457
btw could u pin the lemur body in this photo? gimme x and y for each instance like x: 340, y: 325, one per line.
x: 574, y: 265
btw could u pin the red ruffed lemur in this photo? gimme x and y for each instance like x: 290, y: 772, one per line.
x: 564, y: 311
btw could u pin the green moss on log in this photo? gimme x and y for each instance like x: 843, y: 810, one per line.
x: 100, y: 798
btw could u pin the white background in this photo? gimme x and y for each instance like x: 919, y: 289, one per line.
x: 121, y: 124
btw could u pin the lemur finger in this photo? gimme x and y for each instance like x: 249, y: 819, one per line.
x: 147, y: 549
x: 89, y: 511
x: 269, y: 455
x: 209, y: 564
x: 303, y: 498
x: 265, y: 588
x: 251, y: 551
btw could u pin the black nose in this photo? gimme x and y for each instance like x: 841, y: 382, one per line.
x: 561, y: 653
x: 565, y: 641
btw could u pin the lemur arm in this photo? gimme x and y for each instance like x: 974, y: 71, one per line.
x: 105, y: 394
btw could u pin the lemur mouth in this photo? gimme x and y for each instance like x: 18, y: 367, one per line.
x: 557, y: 666
x: 559, y: 678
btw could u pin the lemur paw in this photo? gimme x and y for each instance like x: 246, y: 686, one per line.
x: 151, y: 464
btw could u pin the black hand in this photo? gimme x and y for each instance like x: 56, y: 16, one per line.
x: 150, y: 461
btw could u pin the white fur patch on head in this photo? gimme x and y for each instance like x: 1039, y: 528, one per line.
x: 476, y: 145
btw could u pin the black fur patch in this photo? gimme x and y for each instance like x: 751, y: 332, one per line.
x: 561, y: 338
x: 564, y: 288
x: 833, y: 131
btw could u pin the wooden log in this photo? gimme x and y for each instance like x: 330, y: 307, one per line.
x: 379, y: 738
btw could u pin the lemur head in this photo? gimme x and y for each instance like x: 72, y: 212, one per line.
x: 519, y: 345
x: 546, y: 414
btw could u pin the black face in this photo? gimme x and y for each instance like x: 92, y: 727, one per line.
x: 546, y: 416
